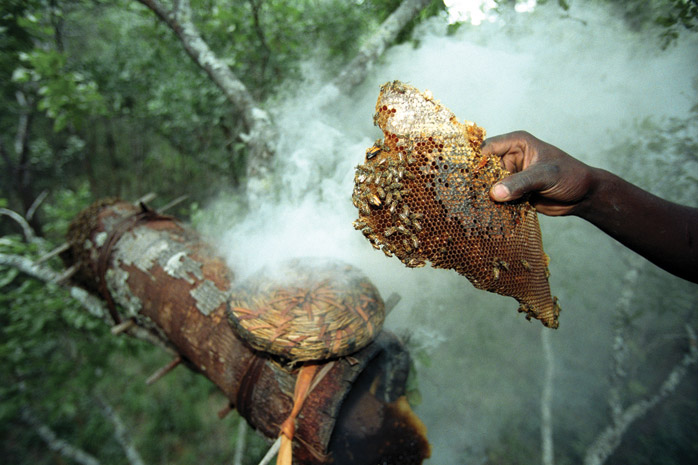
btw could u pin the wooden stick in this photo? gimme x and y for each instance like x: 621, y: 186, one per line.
x: 58, y: 250
x: 164, y: 370
x: 391, y: 302
x: 241, y: 443
x: 222, y: 413
x: 273, y: 450
x: 66, y: 275
x: 146, y: 198
x: 123, y: 326
x: 174, y: 203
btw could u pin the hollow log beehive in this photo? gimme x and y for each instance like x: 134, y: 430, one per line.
x: 423, y: 195
x: 154, y: 270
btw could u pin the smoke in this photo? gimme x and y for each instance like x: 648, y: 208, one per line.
x: 579, y: 80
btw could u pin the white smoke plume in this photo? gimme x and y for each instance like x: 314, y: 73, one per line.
x: 578, y: 79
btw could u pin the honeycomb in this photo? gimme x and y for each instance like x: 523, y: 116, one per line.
x: 423, y: 195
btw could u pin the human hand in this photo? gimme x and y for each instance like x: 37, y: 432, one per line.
x: 558, y: 183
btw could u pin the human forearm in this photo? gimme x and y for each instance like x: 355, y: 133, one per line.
x: 663, y: 232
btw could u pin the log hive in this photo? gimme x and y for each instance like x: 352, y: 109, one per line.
x: 154, y: 270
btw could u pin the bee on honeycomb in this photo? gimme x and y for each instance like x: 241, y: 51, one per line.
x: 423, y: 196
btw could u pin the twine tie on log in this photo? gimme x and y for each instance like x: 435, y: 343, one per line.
x: 288, y: 428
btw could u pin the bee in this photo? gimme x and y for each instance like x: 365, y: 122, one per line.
x: 367, y: 231
x: 406, y: 245
x: 402, y: 229
x: 374, y: 200
x: 375, y: 246
x: 373, y: 151
x: 363, y: 208
x: 416, y: 216
x: 500, y: 264
x: 405, y: 219
x: 381, y: 192
x: 409, y: 175
x: 405, y: 191
x: 395, y: 186
x: 358, y: 224
x: 495, y: 273
x: 388, y: 197
x: 416, y: 225
x: 390, y: 231
x: 415, y: 263
x: 525, y: 264
x: 393, y: 207
x: 415, y: 242
x: 387, y: 251
x: 355, y: 200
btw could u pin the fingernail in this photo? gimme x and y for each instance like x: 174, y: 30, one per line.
x: 500, y: 192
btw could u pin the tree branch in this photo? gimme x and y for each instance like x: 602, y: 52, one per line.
x: 255, y: 5
x: 21, y: 146
x: 546, y: 429
x: 355, y: 72
x: 27, y: 230
x: 55, y: 443
x: 623, y: 417
x: 36, y: 204
x: 260, y: 135
x: 94, y: 305
x: 120, y: 432
x: 241, y: 441
x: 609, y: 439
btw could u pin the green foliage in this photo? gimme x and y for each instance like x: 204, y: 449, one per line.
x: 667, y: 17
x: 52, y: 350
x: 669, y: 152
x: 68, y: 98
x: 58, y: 359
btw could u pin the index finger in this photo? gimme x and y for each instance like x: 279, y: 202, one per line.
x: 502, y: 144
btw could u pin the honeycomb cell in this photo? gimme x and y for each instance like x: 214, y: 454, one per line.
x: 423, y: 195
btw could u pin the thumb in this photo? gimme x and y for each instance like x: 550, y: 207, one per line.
x: 516, y: 185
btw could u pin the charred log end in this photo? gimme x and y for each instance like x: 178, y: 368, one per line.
x: 375, y: 422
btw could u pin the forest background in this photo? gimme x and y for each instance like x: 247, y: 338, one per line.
x: 108, y: 98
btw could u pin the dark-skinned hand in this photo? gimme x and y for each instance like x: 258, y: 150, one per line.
x: 558, y: 184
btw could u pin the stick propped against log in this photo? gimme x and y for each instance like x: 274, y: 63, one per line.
x: 154, y: 270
